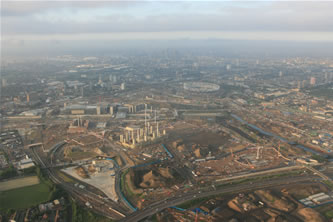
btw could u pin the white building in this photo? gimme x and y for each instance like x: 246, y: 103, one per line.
x: 122, y: 86
x: 25, y: 163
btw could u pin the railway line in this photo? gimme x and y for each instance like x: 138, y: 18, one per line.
x: 102, y: 207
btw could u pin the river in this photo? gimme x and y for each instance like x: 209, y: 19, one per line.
x: 277, y: 137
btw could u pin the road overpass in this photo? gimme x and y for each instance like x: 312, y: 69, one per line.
x: 103, y: 207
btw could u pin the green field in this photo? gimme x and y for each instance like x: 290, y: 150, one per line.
x: 18, y: 183
x: 81, y: 155
x: 81, y: 214
x: 24, y: 197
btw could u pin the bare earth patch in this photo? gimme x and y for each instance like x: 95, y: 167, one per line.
x: 17, y: 183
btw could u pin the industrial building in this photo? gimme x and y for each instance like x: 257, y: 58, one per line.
x: 316, y: 199
x: 102, y: 109
x: 78, y: 126
x: 134, y: 135
x: 25, y: 163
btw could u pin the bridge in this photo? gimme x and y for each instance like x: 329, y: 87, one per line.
x: 317, y: 172
x: 34, y: 144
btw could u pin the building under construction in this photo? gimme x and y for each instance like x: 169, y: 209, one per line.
x: 135, y: 135
x: 78, y: 126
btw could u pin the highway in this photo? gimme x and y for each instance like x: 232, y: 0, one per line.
x: 322, y: 175
x: 103, y: 207
x: 54, y: 149
x: 118, y: 172
x: 112, y: 210
x: 173, y: 201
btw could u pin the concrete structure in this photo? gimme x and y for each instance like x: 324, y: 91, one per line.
x: 122, y: 86
x: 98, y: 110
x: 78, y: 109
x: 313, y: 81
x: 25, y: 163
x: 201, y: 87
x: 111, y: 110
x: 77, y: 112
x: 4, y: 82
x: 100, y: 82
x: 101, y: 125
x: 28, y: 97
x: 136, y: 135
x: 78, y: 126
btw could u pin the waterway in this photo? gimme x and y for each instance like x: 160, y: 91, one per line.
x: 277, y: 137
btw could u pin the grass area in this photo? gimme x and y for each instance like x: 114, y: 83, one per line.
x: 25, y: 197
x: 18, y: 183
x: 123, y: 180
x: 80, y: 214
x: 323, y: 91
x: 329, y: 214
x: 81, y: 155
x: 194, y: 202
x: 154, y: 218
x: 329, y: 184
x: 8, y: 173
x: 126, y: 190
x: 259, y: 178
x: 326, y: 210
x: 124, y: 186
x: 319, y: 158
x: 65, y: 177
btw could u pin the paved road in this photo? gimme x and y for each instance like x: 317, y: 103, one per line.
x: 322, y: 175
x: 158, y: 206
x: 102, y: 207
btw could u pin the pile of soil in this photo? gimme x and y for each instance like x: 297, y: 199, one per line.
x: 91, y: 169
x: 310, y: 215
x: 81, y: 172
x: 275, y: 201
x: 155, y: 177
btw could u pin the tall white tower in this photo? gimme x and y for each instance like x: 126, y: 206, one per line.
x: 122, y: 86
x: 100, y: 79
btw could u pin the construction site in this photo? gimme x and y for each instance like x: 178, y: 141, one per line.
x: 278, y: 204
x: 135, y: 135
x: 244, y: 160
x: 146, y: 183
x: 97, y: 173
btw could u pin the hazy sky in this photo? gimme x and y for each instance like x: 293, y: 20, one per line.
x: 87, y: 20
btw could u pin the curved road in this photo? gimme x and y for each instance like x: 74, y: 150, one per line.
x: 160, y: 205
x: 103, y: 207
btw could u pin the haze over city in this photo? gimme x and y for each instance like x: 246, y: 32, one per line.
x: 63, y: 25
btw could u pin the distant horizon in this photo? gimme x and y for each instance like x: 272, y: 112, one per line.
x: 228, y: 48
x: 56, y: 22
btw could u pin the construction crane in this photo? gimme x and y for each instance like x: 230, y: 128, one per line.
x: 258, y: 152
x: 232, y: 154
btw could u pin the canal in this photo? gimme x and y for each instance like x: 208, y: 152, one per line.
x: 277, y: 137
